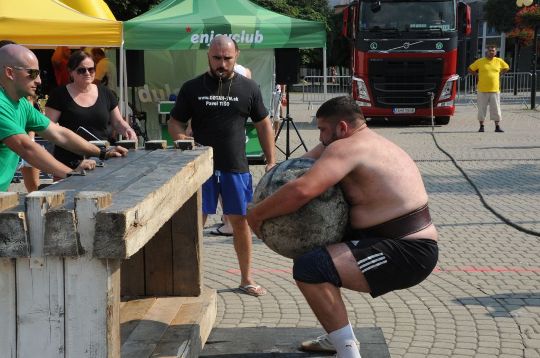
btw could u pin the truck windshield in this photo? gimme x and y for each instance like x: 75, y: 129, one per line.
x: 407, y: 15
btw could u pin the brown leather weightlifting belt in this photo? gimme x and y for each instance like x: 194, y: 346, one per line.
x: 396, y: 228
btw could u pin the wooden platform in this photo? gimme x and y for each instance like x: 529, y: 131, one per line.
x: 62, y: 252
x: 265, y: 342
x: 167, y: 326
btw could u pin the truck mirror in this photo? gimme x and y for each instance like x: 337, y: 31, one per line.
x: 464, y: 19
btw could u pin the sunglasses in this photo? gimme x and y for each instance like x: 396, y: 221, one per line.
x: 83, y: 70
x: 32, y: 72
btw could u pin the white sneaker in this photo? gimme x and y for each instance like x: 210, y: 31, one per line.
x: 319, y: 344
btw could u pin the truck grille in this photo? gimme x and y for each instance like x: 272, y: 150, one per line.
x: 404, y: 83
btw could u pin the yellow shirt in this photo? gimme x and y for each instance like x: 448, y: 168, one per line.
x: 488, y: 73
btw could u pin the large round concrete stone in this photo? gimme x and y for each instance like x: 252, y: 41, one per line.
x: 320, y: 222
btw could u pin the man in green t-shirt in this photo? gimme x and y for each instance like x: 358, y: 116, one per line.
x: 19, y: 78
x: 489, y: 69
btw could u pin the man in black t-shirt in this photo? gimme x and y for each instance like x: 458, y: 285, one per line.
x: 218, y: 104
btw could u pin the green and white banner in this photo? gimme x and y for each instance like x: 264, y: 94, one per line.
x: 191, y: 24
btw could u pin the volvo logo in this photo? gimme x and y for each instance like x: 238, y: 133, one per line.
x: 406, y: 45
x: 373, y: 45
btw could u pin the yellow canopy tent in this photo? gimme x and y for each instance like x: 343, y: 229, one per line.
x: 50, y: 23
x: 95, y: 8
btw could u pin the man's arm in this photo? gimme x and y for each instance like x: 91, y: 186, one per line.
x: 38, y: 157
x: 69, y: 140
x: 329, y: 170
x: 265, y: 133
x: 177, y: 129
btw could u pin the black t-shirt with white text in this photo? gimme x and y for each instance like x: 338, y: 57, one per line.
x: 218, y: 111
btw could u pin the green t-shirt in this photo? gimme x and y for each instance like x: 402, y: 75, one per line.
x: 15, y: 118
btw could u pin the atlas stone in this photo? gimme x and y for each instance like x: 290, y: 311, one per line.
x: 320, y: 222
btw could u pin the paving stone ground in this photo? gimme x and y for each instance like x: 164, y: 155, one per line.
x: 482, y: 300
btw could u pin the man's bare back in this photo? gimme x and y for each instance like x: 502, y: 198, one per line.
x: 381, y: 184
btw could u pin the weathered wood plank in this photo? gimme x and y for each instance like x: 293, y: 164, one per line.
x: 99, y: 175
x: 155, y: 144
x: 130, y: 222
x: 14, y: 234
x: 8, y: 309
x: 187, y: 236
x: 131, y: 313
x: 60, y: 234
x: 145, y: 337
x: 158, y: 267
x: 40, y: 287
x: 191, y: 327
x: 8, y: 200
x: 132, y: 273
x: 92, y: 289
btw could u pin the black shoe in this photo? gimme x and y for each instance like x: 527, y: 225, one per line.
x: 481, y: 129
x: 498, y: 130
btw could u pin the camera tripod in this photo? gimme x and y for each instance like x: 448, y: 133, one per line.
x: 288, y: 121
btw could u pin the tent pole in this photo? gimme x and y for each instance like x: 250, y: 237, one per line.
x: 325, y: 74
x: 121, y: 70
x: 124, y: 69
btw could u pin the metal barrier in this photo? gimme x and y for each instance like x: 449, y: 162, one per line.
x: 313, y: 88
x: 515, y: 88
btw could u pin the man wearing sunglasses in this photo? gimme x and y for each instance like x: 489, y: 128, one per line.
x: 19, y: 78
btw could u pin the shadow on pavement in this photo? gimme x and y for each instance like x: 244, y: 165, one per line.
x: 503, y: 304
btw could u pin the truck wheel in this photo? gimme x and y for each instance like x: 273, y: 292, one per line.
x: 442, y: 120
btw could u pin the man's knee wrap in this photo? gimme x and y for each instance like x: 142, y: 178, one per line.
x: 316, y: 266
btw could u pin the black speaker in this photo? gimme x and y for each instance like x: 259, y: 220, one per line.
x: 135, y: 68
x: 287, y: 65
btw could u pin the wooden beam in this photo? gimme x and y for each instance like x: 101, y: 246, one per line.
x: 13, y: 230
x: 187, y: 239
x: 131, y: 221
x: 8, y: 200
x: 8, y: 309
x: 92, y: 290
x: 158, y: 266
x: 145, y: 337
x: 40, y: 286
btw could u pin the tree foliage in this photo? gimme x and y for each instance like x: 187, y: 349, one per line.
x: 501, y: 14
x: 315, y: 10
x: 124, y: 10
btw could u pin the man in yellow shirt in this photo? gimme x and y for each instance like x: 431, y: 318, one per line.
x: 489, y: 69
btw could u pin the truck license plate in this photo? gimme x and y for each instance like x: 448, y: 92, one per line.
x: 404, y: 110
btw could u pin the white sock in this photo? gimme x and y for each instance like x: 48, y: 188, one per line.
x: 344, y: 342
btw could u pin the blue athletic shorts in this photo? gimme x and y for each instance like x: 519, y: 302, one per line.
x: 235, y: 189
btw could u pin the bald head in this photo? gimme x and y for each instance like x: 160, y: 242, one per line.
x: 19, y: 71
x: 16, y: 55
x: 223, y: 41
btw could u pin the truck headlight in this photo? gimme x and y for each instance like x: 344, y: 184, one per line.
x: 447, y: 88
x: 361, y: 89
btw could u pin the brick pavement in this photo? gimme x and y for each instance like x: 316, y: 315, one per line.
x: 483, y: 300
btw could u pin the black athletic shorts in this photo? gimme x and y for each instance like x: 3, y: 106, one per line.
x: 394, y: 264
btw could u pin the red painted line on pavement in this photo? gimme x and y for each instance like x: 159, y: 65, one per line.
x: 469, y: 269
x: 487, y: 269
x: 278, y: 271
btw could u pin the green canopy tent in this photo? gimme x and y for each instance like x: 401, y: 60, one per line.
x: 189, y: 25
